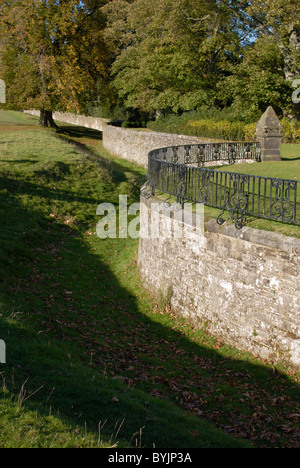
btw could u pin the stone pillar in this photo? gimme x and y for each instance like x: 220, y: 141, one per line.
x: 269, y: 134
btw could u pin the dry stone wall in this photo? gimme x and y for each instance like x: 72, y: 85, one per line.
x: 242, y: 286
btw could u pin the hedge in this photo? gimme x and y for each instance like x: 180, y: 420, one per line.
x: 224, y: 129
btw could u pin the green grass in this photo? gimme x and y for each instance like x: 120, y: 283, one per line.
x: 92, y: 359
x: 16, y: 118
x: 287, y: 168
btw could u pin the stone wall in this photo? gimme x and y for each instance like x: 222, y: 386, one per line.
x: 135, y: 145
x: 242, y: 286
x: 126, y: 143
x: 74, y: 119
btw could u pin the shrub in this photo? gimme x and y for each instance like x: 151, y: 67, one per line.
x: 219, y: 124
x: 223, y: 129
x: 207, y: 122
x: 250, y: 131
x: 291, y: 130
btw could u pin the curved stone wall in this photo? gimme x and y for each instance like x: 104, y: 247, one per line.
x: 126, y: 143
x: 135, y: 145
x: 242, y: 286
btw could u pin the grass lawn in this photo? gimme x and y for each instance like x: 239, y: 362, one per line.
x: 92, y: 359
x: 12, y: 118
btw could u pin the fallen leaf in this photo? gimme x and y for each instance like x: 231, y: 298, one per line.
x: 195, y: 433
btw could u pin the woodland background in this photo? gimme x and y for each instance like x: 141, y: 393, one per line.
x: 171, y: 65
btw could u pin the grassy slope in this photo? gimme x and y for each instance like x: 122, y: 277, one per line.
x: 88, y: 349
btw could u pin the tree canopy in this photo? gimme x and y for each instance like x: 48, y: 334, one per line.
x: 178, y: 55
x: 156, y: 57
x: 281, y: 19
x: 51, y: 52
x: 170, y: 54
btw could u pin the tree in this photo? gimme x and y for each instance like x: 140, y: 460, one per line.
x: 51, y: 53
x: 281, y: 19
x: 170, y: 54
x: 258, y: 81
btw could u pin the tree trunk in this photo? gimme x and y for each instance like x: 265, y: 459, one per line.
x: 46, y: 119
x: 289, y: 49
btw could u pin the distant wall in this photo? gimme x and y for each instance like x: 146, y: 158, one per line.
x: 74, y: 119
x: 135, y: 145
x: 126, y: 143
x: 242, y: 286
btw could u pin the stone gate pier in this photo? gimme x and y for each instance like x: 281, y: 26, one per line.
x: 269, y: 134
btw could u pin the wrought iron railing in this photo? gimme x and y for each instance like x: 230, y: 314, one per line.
x: 209, y: 153
x: 179, y: 172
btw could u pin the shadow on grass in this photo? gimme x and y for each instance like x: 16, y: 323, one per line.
x: 120, y: 165
x: 79, y: 132
x: 290, y: 159
x: 36, y: 189
x: 61, y: 308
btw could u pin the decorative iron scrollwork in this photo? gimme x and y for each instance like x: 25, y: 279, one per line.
x: 187, y: 158
x: 236, y: 201
x: 201, y: 155
x: 232, y: 153
x: 206, y: 187
x: 282, y: 209
x: 247, y: 152
x: 216, y: 151
x: 146, y: 191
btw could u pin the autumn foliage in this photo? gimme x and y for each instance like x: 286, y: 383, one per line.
x: 158, y: 57
x: 52, y: 52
